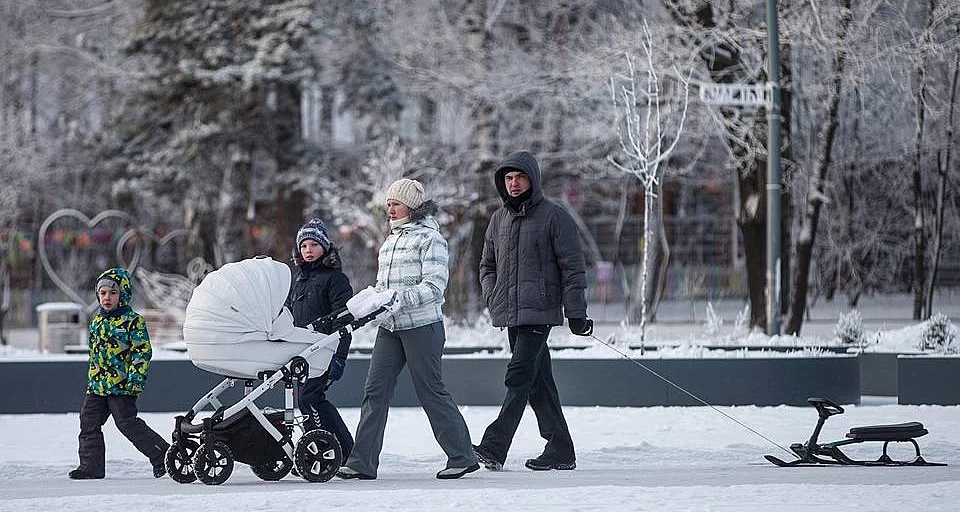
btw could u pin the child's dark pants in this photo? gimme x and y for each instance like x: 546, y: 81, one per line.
x: 94, y: 413
x: 321, y: 413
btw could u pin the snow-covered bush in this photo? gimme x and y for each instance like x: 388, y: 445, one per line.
x: 939, y: 335
x: 713, y: 322
x: 849, y: 329
x: 743, y: 318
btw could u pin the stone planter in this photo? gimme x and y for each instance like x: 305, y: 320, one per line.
x: 175, y: 385
x: 928, y: 379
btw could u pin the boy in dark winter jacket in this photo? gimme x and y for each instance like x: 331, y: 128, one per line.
x: 319, y: 289
x: 119, y: 359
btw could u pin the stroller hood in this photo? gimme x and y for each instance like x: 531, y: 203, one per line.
x: 235, y: 316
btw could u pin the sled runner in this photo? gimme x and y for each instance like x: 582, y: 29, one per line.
x: 236, y: 326
x: 814, y: 453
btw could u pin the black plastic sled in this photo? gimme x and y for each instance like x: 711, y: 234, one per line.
x: 814, y: 453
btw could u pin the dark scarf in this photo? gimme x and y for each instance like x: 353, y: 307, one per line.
x: 329, y: 260
x: 516, y: 202
x: 115, y: 312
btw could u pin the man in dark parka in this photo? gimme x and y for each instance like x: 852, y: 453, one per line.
x: 532, y: 274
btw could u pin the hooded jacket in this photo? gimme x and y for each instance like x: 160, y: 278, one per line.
x: 119, y: 344
x: 318, y: 289
x: 413, y: 262
x: 532, y: 263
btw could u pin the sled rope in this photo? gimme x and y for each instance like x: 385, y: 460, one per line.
x: 688, y: 393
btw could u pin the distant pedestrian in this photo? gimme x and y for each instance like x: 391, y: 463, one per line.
x: 319, y: 289
x: 413, y: 262
x: 532, y: 273
x: 119, y: 360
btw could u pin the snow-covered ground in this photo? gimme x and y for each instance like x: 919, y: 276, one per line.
x: 657, y: 458
x: 683, y: 329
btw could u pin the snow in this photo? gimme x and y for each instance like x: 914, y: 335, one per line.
x: 656, y: 458
x: 684, y: 328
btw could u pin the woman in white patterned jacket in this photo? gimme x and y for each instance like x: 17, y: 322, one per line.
x: 413, y: 262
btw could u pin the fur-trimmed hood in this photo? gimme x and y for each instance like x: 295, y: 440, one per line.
x: 428, y: 208
x: 331, y: 258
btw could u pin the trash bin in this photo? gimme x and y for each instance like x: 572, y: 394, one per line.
x: 60, y: 324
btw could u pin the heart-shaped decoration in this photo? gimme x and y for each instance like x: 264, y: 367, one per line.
x: 141, y: 240
x: 83, y: 253
x: 163, y: 290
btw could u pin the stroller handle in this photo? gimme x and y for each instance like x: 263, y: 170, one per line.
x: 333, y: 322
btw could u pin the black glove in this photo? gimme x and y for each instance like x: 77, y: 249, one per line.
x: 580, y: 326
x: 335, y: 371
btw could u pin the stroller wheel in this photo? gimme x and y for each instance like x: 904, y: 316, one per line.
x: 213, y: 467
x: 273, y: 471
x: 179, y: 461
x: 318, y: 456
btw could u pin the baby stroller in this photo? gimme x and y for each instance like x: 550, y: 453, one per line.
x: 236, y: 326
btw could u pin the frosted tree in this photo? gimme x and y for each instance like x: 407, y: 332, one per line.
x: 649, y: 130
x: 490, y: 77
x: 214, y: 122
x: 823, y: 160
x: 935, y: 95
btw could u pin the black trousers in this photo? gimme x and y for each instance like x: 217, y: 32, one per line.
x: 529, y: 379
x: 321, y: 413
x: 93, y: 415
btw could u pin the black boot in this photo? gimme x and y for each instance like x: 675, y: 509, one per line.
x: 159, y: 469
x: 82, y: 474
x: 542, y: 463
x: 487, y: 459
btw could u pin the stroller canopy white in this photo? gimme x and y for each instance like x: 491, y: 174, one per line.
x: 235, y: 319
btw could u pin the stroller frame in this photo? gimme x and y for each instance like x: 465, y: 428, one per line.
x: 814, y: 453
x: 202, y: 450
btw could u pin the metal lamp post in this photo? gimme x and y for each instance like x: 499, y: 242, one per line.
x: 773, y: 174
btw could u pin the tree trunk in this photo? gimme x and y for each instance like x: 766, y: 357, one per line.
x: 725, y: 64
x: 4, y: 296
x: 232, y: 210
x: 648, y: 286
x: 463, y: 289
x: 943, y: 169
x: 618, y: 239
x: 919, y: 240
x: 751, y: 220
x: 201, y: 233
x: 786, y: 198
x: 800, y: 281
x: 288, y: 216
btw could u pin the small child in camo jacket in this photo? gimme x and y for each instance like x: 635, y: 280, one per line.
x: 119, y: 359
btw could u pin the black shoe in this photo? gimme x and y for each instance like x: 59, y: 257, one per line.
x: 542, y: 463
x: 486, y: 458
x: 159, y: 469
x: 79, y: 474
x: 451, y: 473
x: 348, y: 473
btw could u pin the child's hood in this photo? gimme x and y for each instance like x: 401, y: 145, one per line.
x: 122, y: 278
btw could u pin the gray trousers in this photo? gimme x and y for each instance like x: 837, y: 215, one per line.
x: 420, y: 349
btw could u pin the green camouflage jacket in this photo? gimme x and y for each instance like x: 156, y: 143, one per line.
x: 119, y: 344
